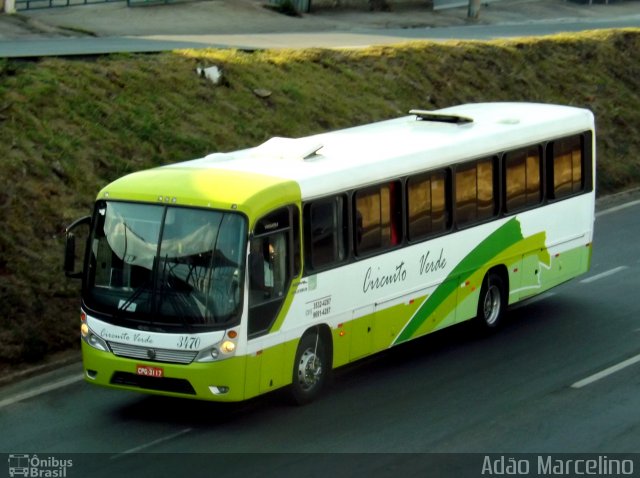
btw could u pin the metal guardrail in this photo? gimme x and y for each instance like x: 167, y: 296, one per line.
x: 22, y: 5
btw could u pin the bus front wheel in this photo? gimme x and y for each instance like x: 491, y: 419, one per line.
x: 493, y: 301
x: 310, y: 369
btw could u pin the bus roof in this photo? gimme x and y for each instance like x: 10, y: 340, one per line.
x: 345, y: 159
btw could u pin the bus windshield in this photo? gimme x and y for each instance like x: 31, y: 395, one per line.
x: 165, y: 266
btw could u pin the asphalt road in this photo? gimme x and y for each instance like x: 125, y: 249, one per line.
x: 543, y: 384
x: 103, y: 45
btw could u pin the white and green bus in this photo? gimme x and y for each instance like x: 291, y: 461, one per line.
x: 239, y: 273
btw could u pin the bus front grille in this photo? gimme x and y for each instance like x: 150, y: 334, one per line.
x: 151, y: 354
x: 160, y: 384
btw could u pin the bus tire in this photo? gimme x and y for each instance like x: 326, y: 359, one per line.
x: 492, y: 302
x: 310, y: 369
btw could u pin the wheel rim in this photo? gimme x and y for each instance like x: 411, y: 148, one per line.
x: 309, y: 370
x: 492, y: 305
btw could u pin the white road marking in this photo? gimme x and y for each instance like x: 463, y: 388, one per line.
x: 41, y: 390
x: 65, y: 382
x: 143, y: 447
x: 606, y: 372
x: 602, y: 275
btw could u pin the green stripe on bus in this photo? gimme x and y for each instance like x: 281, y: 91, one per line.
x: 502, y: 238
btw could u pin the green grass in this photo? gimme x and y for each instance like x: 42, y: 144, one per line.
x: 69, y: 126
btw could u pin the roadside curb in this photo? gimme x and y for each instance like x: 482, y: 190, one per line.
x: 615, y: 199
x: 61, y: 360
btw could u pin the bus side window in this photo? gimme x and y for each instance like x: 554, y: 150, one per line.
x: 475, y: 192
x: 522, y: 178
x: 326, y: 227
x: 567, y: 159
x: 378, y: 217
x: 268, y: 267
x: 486, y: 186
x: 426, y: 205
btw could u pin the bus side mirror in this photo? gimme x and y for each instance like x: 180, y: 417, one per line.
x: 70, y: 248
x: 70, y: 255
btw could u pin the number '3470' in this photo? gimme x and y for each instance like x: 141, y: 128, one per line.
x: 187, y: 342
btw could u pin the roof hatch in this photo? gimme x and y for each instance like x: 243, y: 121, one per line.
x: 426, y: 115
x: 288, y: 148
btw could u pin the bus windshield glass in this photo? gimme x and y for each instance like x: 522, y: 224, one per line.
x: 165, y: 266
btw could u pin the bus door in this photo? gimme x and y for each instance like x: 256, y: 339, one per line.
x: 273, y: 262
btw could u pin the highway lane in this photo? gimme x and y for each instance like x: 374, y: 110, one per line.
x: 510, y: 392
x: 334, y: 39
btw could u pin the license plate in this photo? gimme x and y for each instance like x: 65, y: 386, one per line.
x: 148, y: 371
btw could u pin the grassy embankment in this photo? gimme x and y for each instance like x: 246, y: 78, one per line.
x: 68, y: 127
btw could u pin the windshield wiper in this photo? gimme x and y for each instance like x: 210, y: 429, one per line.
x: 146, y: 285
x: 124, y: 306
x: 176, y: 298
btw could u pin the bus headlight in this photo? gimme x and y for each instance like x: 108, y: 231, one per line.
x: 92, y: 339
x: 228, y: 347
x: 220, y: 351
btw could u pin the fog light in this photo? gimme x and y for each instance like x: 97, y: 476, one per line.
x: 219, y: 390
x: 215, y: 353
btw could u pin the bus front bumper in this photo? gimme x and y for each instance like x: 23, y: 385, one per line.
x: 217, y: 381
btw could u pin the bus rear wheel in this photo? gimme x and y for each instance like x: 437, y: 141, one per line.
x: 493, y: 301
x: 310, y: 369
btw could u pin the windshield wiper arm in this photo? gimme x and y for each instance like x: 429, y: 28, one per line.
x: 176, y: 301
x: 124, y: 306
